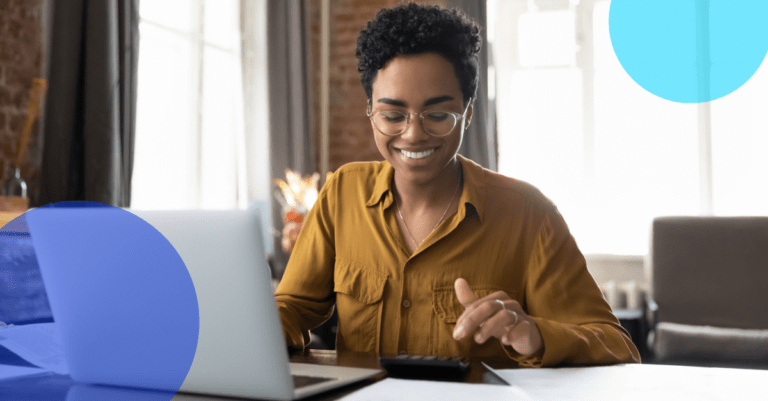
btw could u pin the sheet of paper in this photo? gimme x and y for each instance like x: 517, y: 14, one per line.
x: 8, y: 371
x: 39, y: 344
x: 404, y: 390
x: 638, y: 382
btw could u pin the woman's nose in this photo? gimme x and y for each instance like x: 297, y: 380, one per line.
x: 414, y: 131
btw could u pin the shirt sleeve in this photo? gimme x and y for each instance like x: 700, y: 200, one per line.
x: 576, y: 324
x: 305, y: 296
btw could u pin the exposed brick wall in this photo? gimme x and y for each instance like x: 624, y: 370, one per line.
x: 21, y: 60
x: 350, y: 133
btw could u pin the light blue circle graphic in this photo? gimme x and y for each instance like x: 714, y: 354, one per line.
x: 121, y: 296
x: 689, y: 51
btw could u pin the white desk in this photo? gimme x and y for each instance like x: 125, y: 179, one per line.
x: 640, y: 382
x: 620, y: 382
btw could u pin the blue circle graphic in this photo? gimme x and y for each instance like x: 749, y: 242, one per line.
x: 689, y: 51
x: 121, y: 296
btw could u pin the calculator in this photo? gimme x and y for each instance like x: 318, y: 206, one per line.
x: 428, y: 367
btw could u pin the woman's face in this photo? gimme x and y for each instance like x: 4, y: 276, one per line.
x: 412, y: 84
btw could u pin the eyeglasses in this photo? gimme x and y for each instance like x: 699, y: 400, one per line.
x: 437, y: 123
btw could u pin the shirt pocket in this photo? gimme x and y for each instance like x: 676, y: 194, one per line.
x: 359, y: 291
x: 446, y: 310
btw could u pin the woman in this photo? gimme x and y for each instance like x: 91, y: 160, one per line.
x: 428, y: 253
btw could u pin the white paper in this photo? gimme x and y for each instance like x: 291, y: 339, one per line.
x: 8, y: 371
x: 38, y: 344
x: 639, y: 382
x: 404, y: 390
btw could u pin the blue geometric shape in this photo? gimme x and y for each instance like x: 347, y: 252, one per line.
x: 142, y: 322
x: 689, y: 51
x: 86, y: 392
x: 22, y: 295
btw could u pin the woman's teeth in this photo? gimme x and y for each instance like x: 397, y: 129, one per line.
x: 417, y: 155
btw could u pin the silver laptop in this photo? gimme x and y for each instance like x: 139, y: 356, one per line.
x: 240, y: 350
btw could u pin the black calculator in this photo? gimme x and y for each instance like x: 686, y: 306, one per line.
x: 425, y: 367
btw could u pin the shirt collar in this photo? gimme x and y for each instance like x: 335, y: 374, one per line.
x: 383, y: 186
x: 474, y: 187
x: 473, y: 192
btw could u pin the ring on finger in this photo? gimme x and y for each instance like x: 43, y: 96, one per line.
x: 504, y: 307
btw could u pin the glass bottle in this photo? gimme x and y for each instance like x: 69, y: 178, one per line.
x: 14, y: 185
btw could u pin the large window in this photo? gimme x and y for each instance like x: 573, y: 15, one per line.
x: 194, y: 149
x: 609, y: 154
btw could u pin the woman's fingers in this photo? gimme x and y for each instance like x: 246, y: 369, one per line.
x: 464, y: 293
x: 478, y: 313
x: 525, y: 338
x: 497, y: 325
x: 495, y: 315
x: 486, y: 318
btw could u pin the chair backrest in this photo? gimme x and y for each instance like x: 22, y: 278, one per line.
x: 711, y: 271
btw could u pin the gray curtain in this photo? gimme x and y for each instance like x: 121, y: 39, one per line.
x: 480, y: 139
x: 291, y: 140
x: 88, y: 137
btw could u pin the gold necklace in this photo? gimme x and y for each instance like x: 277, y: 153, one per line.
x: 418, y: 244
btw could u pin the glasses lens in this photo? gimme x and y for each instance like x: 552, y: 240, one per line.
x: 439, y: 123
x: 390, y: 122
x: 435, y: 122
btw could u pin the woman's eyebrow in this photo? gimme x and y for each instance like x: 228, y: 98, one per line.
x: 393, y: 102
x: 429, y: 102
x: 436, y: 100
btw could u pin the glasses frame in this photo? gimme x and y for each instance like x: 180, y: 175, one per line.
x: 459, y: 117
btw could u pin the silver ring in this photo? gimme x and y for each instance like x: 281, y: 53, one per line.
x: 504, y: 307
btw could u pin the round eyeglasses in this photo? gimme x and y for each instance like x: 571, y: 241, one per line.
x: 437, y: 123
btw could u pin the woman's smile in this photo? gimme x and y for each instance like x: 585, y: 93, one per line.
x: 413, y: 84
x: 417, y: 155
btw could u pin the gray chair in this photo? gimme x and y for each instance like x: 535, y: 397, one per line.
x: 710, y: 291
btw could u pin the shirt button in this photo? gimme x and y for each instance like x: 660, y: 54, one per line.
x: 407, y: 303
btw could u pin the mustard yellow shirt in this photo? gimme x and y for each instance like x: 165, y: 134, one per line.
x: 505, y: 236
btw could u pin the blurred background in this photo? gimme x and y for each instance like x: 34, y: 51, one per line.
x: 209, y: 101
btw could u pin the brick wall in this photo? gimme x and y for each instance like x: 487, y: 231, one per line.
x: 350, y: 133
x: 21, y: 60
x: 350, y: 136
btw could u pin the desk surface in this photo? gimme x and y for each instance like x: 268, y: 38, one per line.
x: 56, y: 387
x: 633, y: 381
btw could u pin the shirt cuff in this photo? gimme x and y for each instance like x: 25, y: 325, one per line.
x: 294, y: 337
x: 531, y: 361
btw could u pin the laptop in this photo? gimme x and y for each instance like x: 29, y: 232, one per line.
x: 240, y: 349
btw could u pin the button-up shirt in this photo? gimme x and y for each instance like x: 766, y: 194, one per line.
x: 505, y: 236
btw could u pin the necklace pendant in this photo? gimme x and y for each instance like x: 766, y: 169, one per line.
x: 417, y: 243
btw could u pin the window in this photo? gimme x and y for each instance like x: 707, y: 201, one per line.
x: 609, y: 154
x: 192, y: 146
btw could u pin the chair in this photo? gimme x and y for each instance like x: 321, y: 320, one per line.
x: 710, y: 291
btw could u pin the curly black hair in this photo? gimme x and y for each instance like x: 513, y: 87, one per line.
x: 413, y: 29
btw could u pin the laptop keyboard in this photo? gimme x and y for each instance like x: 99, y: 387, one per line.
x: 302, y: 381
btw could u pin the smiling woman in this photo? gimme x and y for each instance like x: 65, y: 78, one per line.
x: 427, y: 252
x: 424, y: 159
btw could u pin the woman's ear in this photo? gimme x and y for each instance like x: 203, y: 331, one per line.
x: 468, y: 118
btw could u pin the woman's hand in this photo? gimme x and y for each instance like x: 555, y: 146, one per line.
x: 486, y: 315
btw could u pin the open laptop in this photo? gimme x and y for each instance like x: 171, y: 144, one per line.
x: 241, y: 349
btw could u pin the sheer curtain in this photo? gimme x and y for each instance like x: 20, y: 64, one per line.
x: 608, y: 153
x: 190, y: 132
